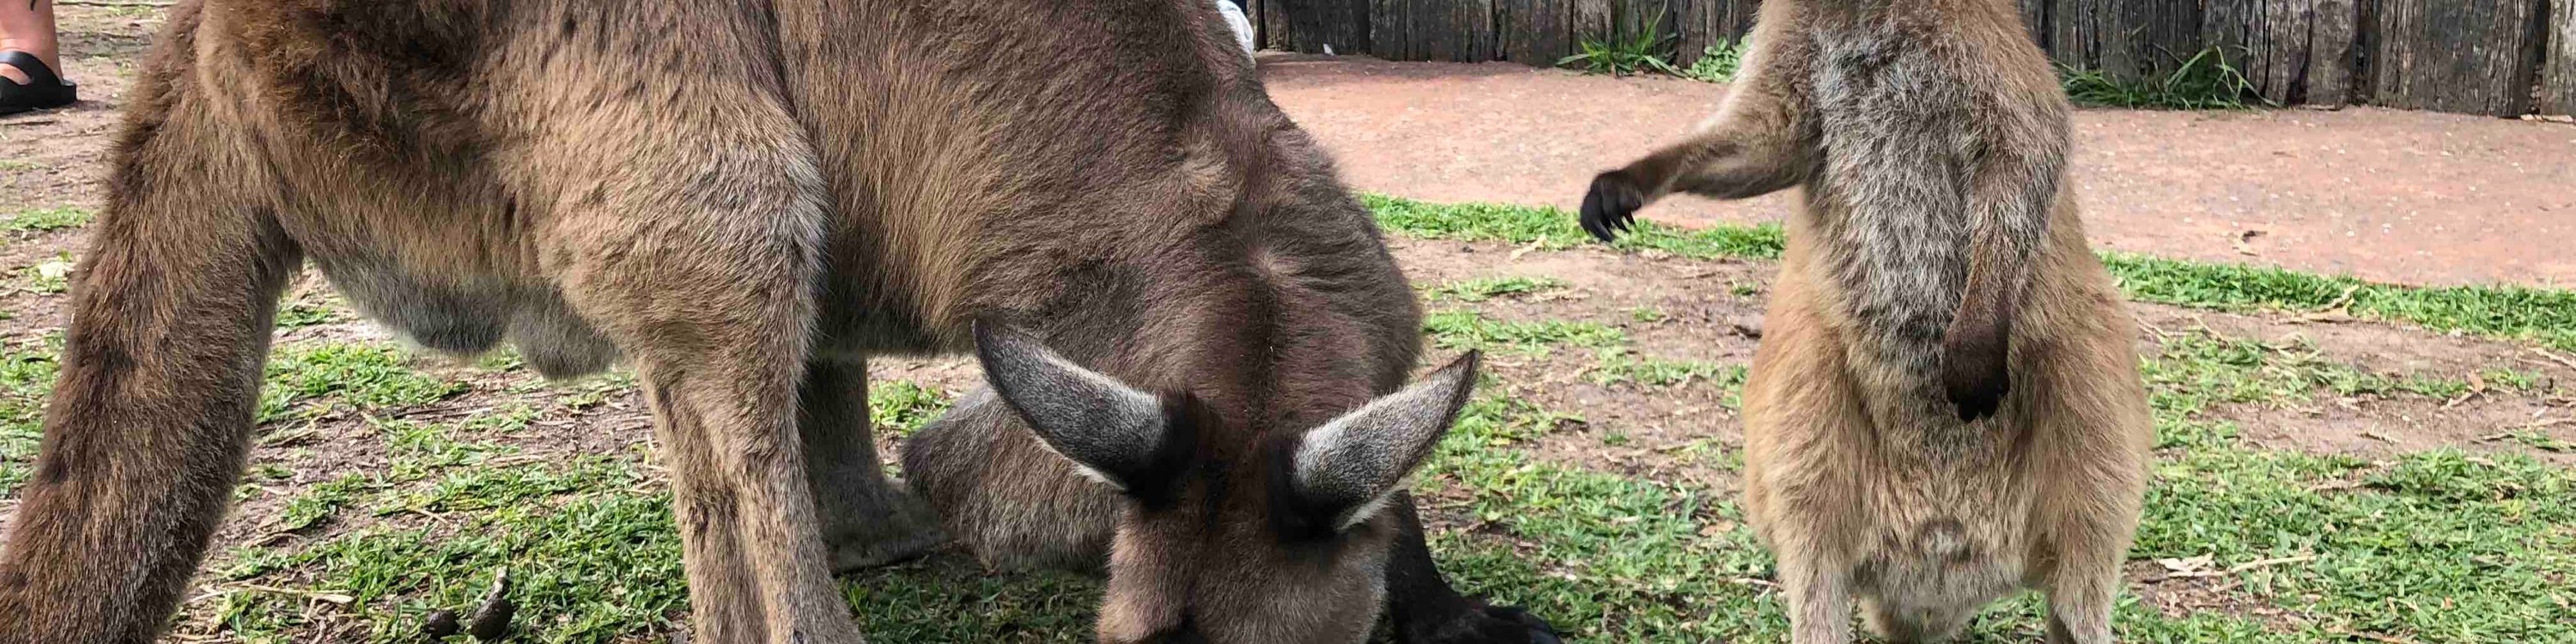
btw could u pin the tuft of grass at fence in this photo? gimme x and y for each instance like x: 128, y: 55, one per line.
x: 2204, y: 81
x: 2546, y: 316
x: 1622, y: 56
x: 1719, y: 62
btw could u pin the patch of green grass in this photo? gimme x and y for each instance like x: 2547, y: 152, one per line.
x: 2440, y: 547
x: 2204, y: 81
x: 483, y: 488
x: 1472, y: 330
x: 2545, y: 316
x: 47, y: 219
x: 593, y: 391
x: 593, y: 557
x: 2437, y: 546
x: 319, y: 503
x: 1545, y: 228
x: 2534, y: 439
x: 504, y: 358
x: 2514, y: 380
x: 1719, y: 62
x: 946, y: 600
x: 1618, y: 365
x: 586, y: 566
x: 1552, y: 229
x: 26, y: 376
x: 366, y: 376
x: 1648, y: 314
x: 2197, y: 371
x: 420, y: 448
x: 903, y: 406
x: 1487, y: 288
x: 267, y: 472
x: 296, y: 315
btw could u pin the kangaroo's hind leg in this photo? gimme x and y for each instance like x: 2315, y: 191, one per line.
x: 149, y: 421
x: 711, y: 302
x: 1804, y: 438
x: 2091, y: 435
x: 686, y: 221
x: 867, y: 520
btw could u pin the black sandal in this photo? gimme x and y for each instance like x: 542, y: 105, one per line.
x: 43, y: 89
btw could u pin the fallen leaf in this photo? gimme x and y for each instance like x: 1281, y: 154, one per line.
x: 2187, y: 564
x: 54, y: 269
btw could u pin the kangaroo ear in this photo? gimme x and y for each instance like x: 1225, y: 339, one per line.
x: 1110, y: 431
x: 1349, y: 466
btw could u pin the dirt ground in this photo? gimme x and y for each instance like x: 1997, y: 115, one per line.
x: 2393, y: 196
x: 2397, y: 196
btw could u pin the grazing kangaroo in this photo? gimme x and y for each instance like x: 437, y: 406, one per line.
x: 745, y: 201
x: 1946, y: 404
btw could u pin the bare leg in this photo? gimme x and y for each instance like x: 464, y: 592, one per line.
x: 28, y: 26
x: 150, y: 418
x: 866, y: 520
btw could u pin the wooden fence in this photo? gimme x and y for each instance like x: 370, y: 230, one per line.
x: 2499, y: 57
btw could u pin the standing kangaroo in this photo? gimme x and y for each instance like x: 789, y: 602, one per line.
x: 745, y: 200
x: 1946, y: 404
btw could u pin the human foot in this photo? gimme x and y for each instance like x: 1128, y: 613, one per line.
x: 31, y: 83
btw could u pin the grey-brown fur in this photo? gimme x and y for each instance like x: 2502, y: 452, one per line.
x: 742, y: 201
x: 1945, y: 406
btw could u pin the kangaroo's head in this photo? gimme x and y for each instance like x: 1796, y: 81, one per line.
x: 1231, y: 533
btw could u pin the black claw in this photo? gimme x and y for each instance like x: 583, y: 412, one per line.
x: 1591, y: 217
x: 1610, y: 207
